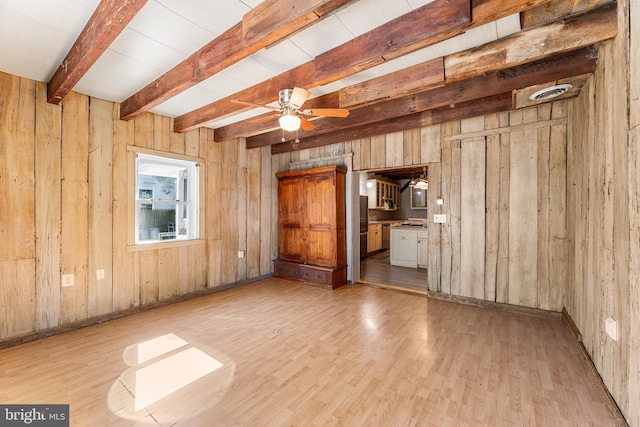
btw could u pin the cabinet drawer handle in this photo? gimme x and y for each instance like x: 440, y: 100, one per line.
x: 304, y: 239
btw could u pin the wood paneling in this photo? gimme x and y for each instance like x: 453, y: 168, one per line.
x: 100, y: 238
x: 268, y: 221
x: 126, y: 292
x: 66, y: 175
x: 523, y: 213
x: 603, y: 215
x: 450, y: 231
x: 16, y: 167
x: 434, y: 272
x: 497, y: 216
x: 18, y: 292
x: 503, y: 181
x: 47, y: 211
x: 633, y: 413
x: 75, y: 207
x: 472, y: 210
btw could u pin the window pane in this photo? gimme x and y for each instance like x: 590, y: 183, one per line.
x: 166, y: 199
x: 158, y: 181
x: 182, y: 227
x: 156, y: 222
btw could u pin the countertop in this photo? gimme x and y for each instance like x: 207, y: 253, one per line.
x: 410, y: 227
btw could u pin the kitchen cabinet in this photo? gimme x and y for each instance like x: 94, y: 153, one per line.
x: 374, y: 242
x: 423, y: 237
x: 312, y: 226
x: 379, y: 190
x: 404, y: 247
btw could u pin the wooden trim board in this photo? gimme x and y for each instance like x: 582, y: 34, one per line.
x: 94, y: 320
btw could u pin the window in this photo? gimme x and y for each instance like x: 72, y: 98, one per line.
x: 418, y: 198
x: 166, y: 199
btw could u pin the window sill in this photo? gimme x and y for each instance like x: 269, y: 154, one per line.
x: 164, y: 245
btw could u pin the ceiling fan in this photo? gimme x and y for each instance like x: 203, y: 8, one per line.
x: 290, y: 115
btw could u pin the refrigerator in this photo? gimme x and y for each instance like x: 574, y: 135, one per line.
x: 364, y: 225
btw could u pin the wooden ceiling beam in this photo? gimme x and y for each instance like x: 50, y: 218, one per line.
x: 412, y: 79
x: 283, y: 18
x: 557, y: 9
x: 505, y: 54
x: 276, y: 20
x: 565, y: 65
x: 483, y: 11
x: 431, y: 23
x: 464, y: 110
x: 538, y: 42
x: 105, y: 24
x: 417, y: 78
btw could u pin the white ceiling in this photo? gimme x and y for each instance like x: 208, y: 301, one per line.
x: 36, y: 35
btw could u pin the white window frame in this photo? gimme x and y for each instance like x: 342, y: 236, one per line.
x: 192, y: 200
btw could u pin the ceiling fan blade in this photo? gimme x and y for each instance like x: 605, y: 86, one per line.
x: 236, y: 101
x: 264, y: 118
x: 306, y: 124
x: 327, y: 112
x: 299, y: 96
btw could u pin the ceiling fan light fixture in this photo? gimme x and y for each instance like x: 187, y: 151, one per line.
x: 422, y: 184
x: 289, y: 122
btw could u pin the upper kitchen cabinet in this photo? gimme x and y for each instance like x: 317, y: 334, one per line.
x: 383, y: 194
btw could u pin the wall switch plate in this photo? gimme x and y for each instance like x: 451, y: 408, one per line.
x: 611, y: 327
x: 67, y: 280
x: 440, y: 218
x: 439, y: 201
x: 100, y: 274
x: 240, y: 254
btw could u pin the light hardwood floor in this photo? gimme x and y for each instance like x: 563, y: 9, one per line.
x: 297, y: 355
x: 376, y: 269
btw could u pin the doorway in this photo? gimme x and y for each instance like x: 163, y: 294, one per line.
x: 375, y: 265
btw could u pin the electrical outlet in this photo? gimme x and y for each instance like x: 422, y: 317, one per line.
x: 100, y: 274
x: 240, y: 254
x: 67, y: 280
x: 440, y: 218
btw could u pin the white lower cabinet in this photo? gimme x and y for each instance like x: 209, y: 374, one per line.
x: 423, y: 238
x: 404, y: 247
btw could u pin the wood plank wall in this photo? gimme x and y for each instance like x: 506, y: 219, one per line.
x: 604, y: 212
x: 633, y: 411
x: 65, y: 209
x: 503, y: 181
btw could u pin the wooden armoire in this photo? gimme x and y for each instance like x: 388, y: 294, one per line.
x: 312, y: 242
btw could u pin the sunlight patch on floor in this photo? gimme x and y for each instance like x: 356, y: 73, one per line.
x: 169, y: 379
x: 170, y: 374
x: 158, y: 346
